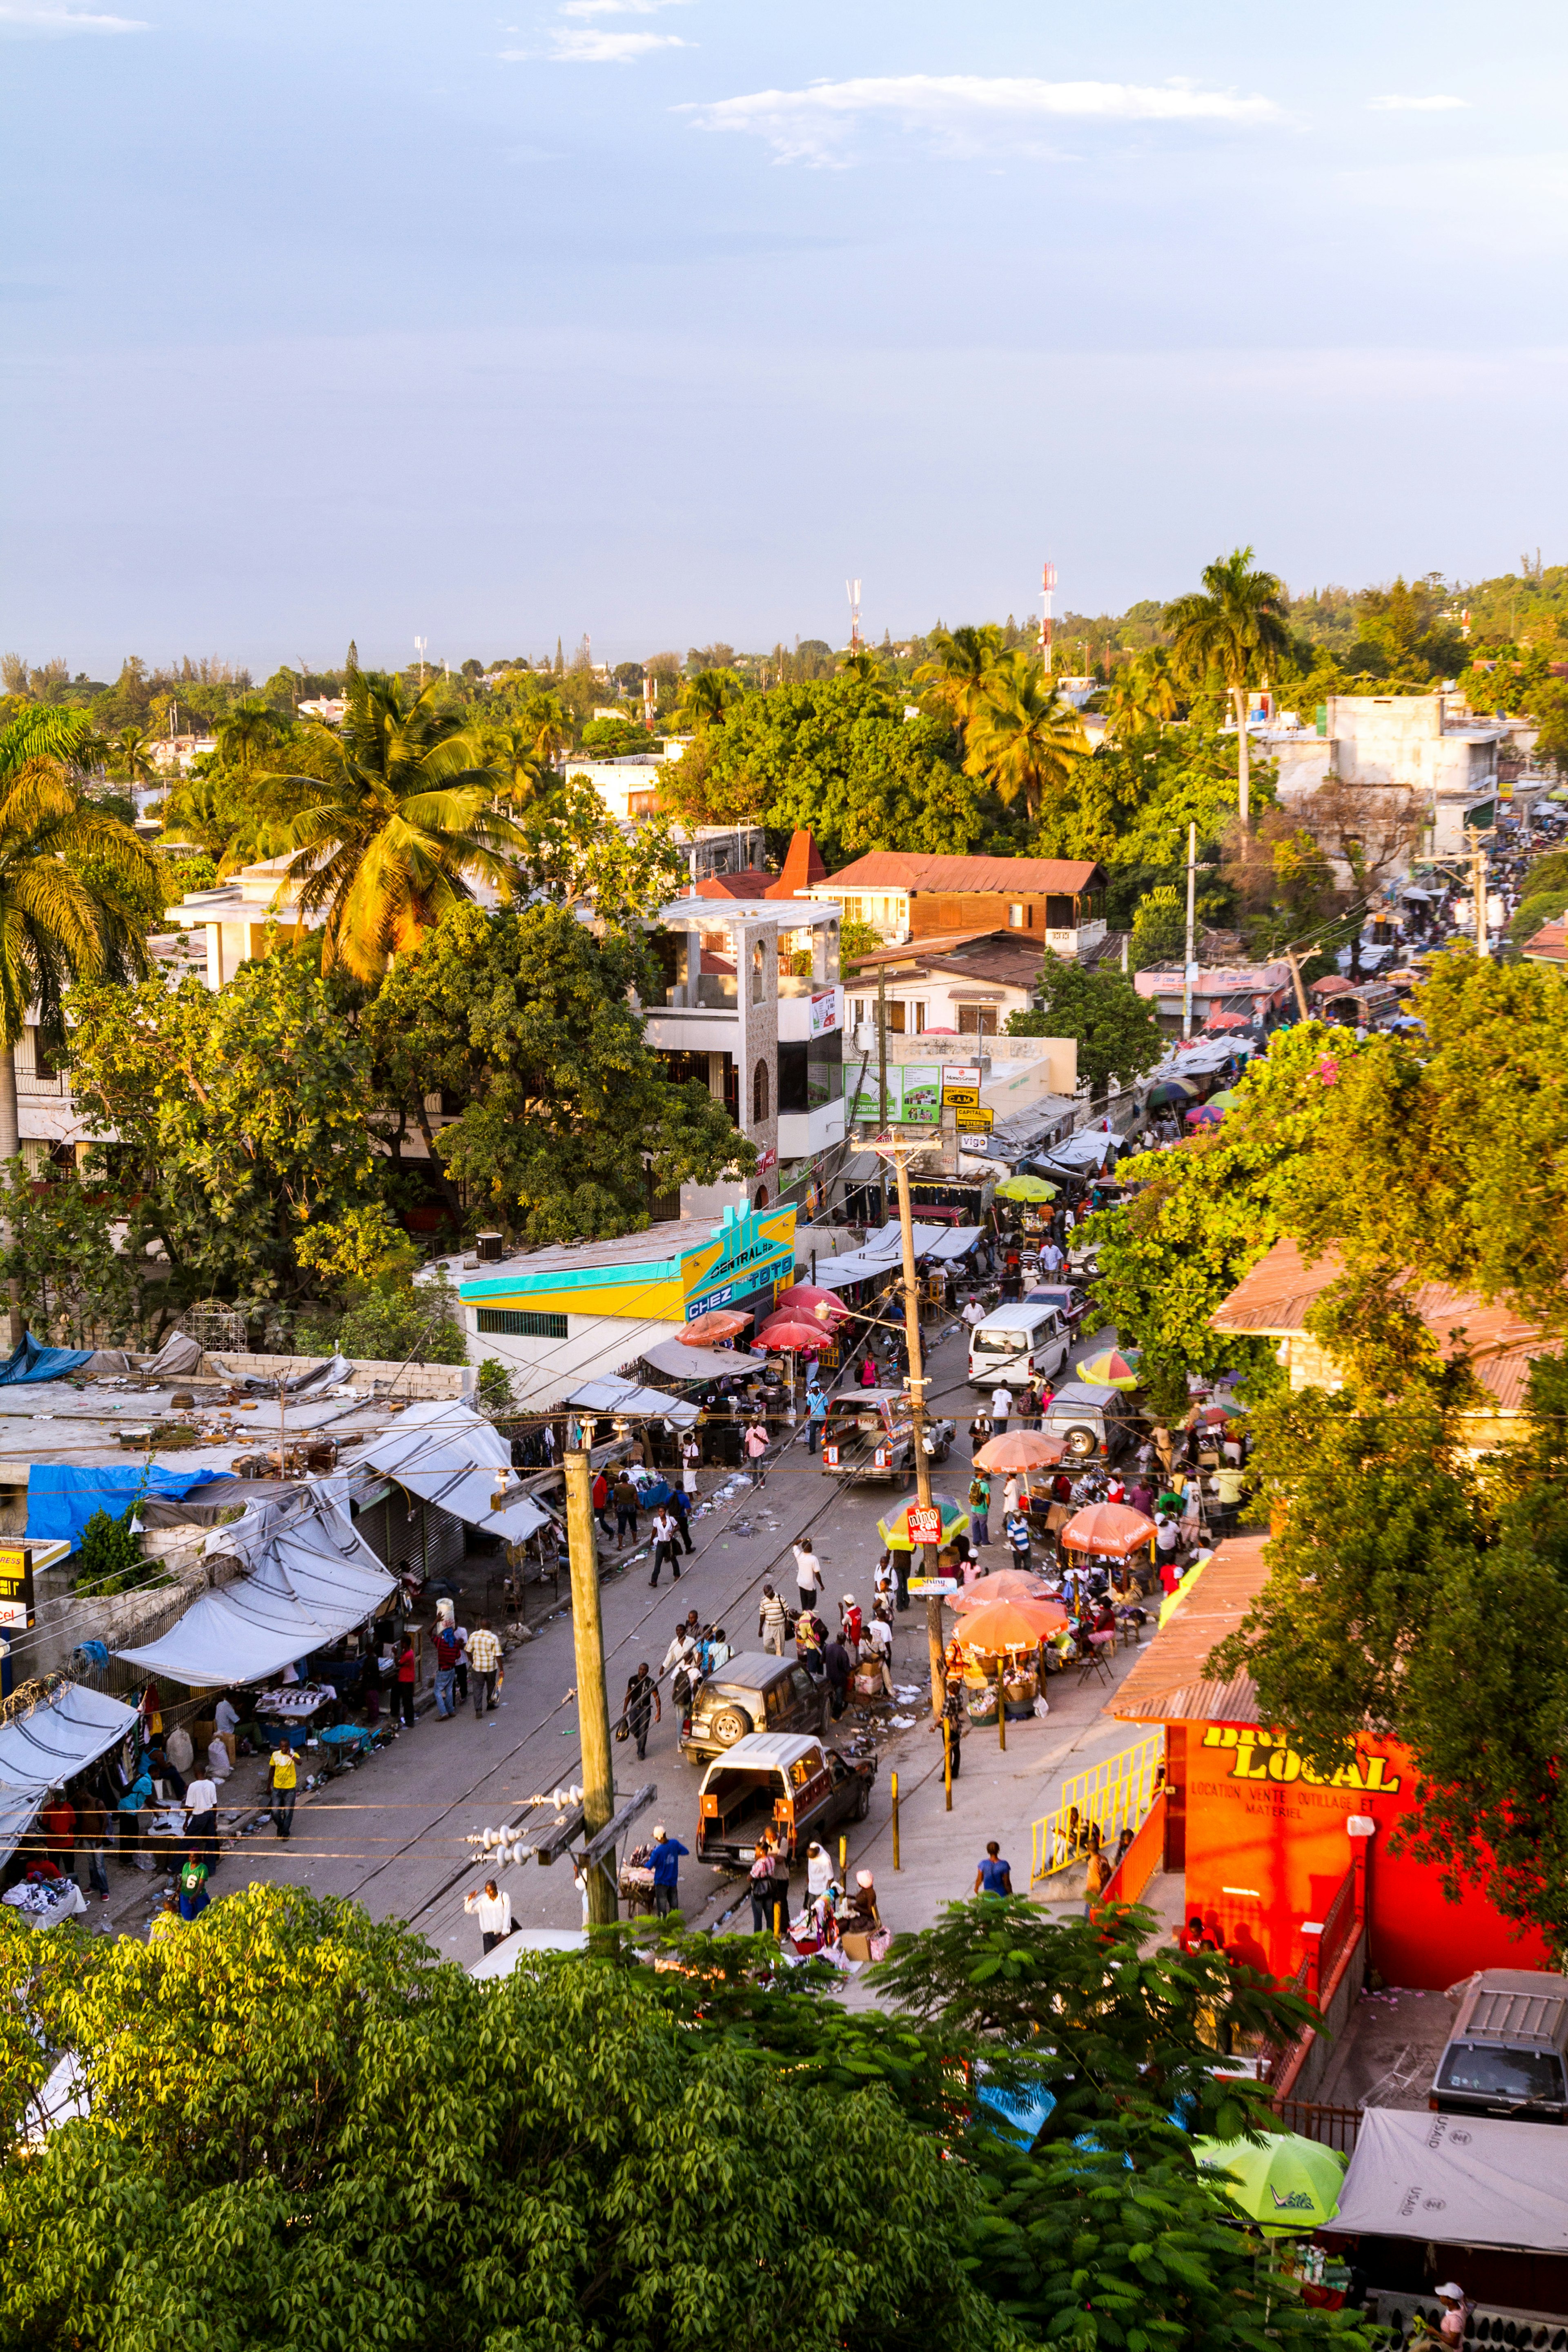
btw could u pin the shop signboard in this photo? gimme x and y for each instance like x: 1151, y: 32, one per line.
x: 975, y: 1122
x: 831, y: 1456
x: 824, y: 1013
x: 15, y: 1587
x: 933, y: 1584
x: 925, y: 1523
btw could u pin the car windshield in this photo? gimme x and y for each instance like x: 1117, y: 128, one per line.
x: 853, y: 1417
x: 1489, y: 2072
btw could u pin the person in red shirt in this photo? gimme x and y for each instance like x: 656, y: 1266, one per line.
x: 58, y: 1823
x: 402, y: 1685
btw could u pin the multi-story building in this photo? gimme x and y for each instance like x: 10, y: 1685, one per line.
x: 1399, y: 740
x: 1057, y: 902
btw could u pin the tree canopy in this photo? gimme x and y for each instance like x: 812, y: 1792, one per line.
x: 1118, y: 1033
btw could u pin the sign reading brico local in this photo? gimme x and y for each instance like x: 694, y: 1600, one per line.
x: 1260, y: 1755
x: 15, y: 1587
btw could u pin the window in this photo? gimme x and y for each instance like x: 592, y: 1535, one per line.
x: 757, y: 972
x: 977, y: 1021
x: 917, y: 1018
x: 522, y: 1323
x: 759, y: 1091
x: 1015, y: 918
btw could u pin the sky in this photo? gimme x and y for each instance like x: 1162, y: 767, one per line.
x: 658, y: 321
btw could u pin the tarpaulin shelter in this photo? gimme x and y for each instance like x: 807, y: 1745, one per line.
x: 68, y: 1729
x: 627, y: 1402
x: 1468, y: 2180
x: 295, y: 1384
x: 449, y: 1456
x: 63, y: 1496
x: 313, y: 1581
x: 33, y: 1362
x: 679, y: 1362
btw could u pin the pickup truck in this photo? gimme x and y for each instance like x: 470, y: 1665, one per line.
x: 870, y: 1434
x: 800, y: 1789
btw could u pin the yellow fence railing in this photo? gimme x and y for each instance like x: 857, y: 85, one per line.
x: 1115, y: 1794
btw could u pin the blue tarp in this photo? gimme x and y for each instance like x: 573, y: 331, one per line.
x: 61, y: 1498
x: 33, y: 1362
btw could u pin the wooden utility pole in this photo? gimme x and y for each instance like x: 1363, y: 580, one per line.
x: 593, y: 1701
x: 918, y: 1403
x: 881, y: 1076
x: 1191, y: 895
x: 1479, y: 886
x: 1293, y: 958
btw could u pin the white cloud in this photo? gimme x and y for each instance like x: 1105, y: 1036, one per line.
x: 592, y: 48
x: 1397, y: 105
x: 18, y: 16
x: 963, y: 110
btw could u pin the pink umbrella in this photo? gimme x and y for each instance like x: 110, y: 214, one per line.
x: 794, y: 1331
x: 1223, y: 1020
x: 718, y: 1323
x: 1112, y: 1529
x: 1020, y: 1449
x: 810, y: 1298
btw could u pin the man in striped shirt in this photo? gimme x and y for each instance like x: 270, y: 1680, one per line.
x: 483, y: 1664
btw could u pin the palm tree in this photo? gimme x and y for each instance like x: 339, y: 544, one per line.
x: 249, y: 729
x: 55, y: 925
x: 965, y: 659
x: 1143, y: 695
x: 130, y: 754
x: 1235, y: 620
x: 1023, y: 739
x: 705, y: 697
x: 861, y: 664
x: 387, y: 846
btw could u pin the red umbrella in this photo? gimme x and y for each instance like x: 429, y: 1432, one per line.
x: 719, y: 1323
x: 1020, y: 1449
x: 1110, y: 1529
x: 1223, y: 1019
x: 794, y: 1331
x: 808, y: 1298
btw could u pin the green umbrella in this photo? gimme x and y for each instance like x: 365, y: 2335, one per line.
x: 1285, y: 2184
x: 894, y: 1529
x: 1027, y: 1188
x: 1232, y: 1095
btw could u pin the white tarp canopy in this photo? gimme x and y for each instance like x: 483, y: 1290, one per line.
x: 679, y: 1362
x: 1463, y: 2179
x: 313, y: 1581
x: 61, y: 1735
x: 881, y: 1253
x: 448, y: 1455
x: 628, y: 1401
x: 958, y: 1242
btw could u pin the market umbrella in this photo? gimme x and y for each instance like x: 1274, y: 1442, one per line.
x: 894, y: 1529
x: 1112, y: 1368
x: 1005, y: 1584
x: 1205, y: 1115
x: 794, y: 1331
x: 1003, y: 1625
x: 1211, y: 1417
x: 1171, y: 1093
x: 808, y: 1298
x: 1226, y: 1100
x: 1288, y: 2184
x: 1027, y: 1188
x: 1020, y: 1449
x: 1223, y: 1020
x: 718, y: 1323
x: 1114, y: 1530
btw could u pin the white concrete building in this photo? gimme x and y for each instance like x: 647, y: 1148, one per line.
x: 1400, y: 740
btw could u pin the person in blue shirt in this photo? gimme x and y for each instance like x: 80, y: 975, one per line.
x: 994, y: 1876
x: 816, y: 1414
x: 666, y: 1859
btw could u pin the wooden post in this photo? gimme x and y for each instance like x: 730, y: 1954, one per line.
x: 896, y: 1863
x: 948, y: 1763
x: 592, y: 1702
x: 1001, y: 1711
x: 918, y: 1407
x: 844, y: 1858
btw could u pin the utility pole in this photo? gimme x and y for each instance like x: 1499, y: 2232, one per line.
x: 1479, y: 886
x: 881, y: 1075
x: 1187, y: 967
x: 917, y: 1405
x: 1293, y: 958
x: 592, y: 1703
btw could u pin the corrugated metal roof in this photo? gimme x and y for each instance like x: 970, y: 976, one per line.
x: 1277, y: 1296
x: 1168, y: 1684
x: 901, y: 869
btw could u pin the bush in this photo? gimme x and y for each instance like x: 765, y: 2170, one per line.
x: 495, y: 1384
x: 110, y: 1559
x: 1541, y: 907
x: 1159, y: 929
x: 389, y: 1322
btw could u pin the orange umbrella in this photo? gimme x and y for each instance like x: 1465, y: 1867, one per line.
x: 1007, y: 1584
x: 1020, y: 1449
x: 1110, y: 1529
x: 1010, y: 1625
x: 719, y: 1323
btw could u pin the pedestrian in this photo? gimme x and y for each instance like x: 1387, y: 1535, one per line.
x: 818, y: 1870
x: 165, y: 1921
x: 691, y: 1463
x: 600, y: 1492
x: 816, y: 1414
x: 283, y: 1779
x: 1016, y: 1529
x: 625, y: 1497
x: 979, y: 1431
x: 836, y: 1666
x: 680, y: 1510
x: 951, y: 1722
x: 448, y: 1650
x: 771, y: 1623
x: 809, y: 1635
x: 666, y: 1861
x: 753, y: 1444
x: 403, y: 1672
x: 1051, y: 1261
x: 643, y: 1707
x: 1010, y: 1495
x: 807, y: 1573
x: 1227, y: 1497
x: 764, y: 1885
x: 202, y: 1819
x: 994, y: 1876
x: 879, y: 1638
x: 1001, y: 1407
x: 862, y: 1915
x: 683, y: 1648
x: 851, y: 1622
x: 868, y: 1370
x: 664, y: 1534
x: 980, y: 1507
x: 485, y: 1661
x: 193, y: 1885
x: 884, y: 1583
x: 973, y: 1311
x: 495, y: 1916
x: 58, y: 1823
x: 92, y: 1838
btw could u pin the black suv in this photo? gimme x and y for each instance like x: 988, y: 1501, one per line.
x: 755, y: 1691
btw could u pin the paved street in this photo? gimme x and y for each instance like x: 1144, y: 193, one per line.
x: 394, y: 1833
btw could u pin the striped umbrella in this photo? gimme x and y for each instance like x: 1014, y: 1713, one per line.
x: 894, y: 1529
x: 1112, y: 1368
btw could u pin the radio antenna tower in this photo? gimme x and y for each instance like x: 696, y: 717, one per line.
x: 853, y: 586
x: 1046, y: 618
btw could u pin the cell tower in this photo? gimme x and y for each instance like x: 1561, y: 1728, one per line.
x: 854, y: 587
x: 1046, y: 618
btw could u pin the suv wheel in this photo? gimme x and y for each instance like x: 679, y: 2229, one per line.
x: 730, y: 1724
x: 862, y: 1803
x: 1081, y: 1443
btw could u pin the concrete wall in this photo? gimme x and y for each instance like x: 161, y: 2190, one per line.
x: 545, y: 1371
x: 412, y: 1379
x: 122, y: 1620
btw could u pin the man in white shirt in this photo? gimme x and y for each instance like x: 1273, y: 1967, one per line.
x: 879, y: 1639
x: 1001, y: 1406
x: 974, y: 1312
x: 495, y: 1912
x: 202, y: 1819
x: 807, y: 1574
x: 1051, y: 1260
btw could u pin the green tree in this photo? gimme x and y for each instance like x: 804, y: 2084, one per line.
x: 1235, y: 623
x: 958, y: 671
x: 302, y: 2132
x: 75, y: 1283
x: 1118, y: 1033
x: 1159, y: 928
x: 391, y: 1320
x: 406, y: 819
x: 567, y: 1123
x: 1143, y: 696
x: 130, y: 754
x: 707, y: 697
x: 1023, y: 739
x: 250, y: 728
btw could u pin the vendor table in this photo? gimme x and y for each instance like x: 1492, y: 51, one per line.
x: 44, y: 1903
x: 294, y: 1702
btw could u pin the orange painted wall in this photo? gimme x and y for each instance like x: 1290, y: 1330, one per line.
x: 1266, y: 1848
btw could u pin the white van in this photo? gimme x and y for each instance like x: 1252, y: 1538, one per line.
x: 1018, y: 1343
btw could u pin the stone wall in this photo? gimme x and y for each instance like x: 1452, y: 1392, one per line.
x: 417, y: 1380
